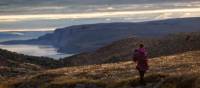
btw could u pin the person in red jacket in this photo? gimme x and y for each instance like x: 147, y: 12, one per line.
x: 140, y: 57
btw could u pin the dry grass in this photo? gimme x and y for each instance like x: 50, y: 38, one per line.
x: 178, y: 71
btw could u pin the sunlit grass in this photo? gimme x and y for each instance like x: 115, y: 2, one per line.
x: 176, y: 71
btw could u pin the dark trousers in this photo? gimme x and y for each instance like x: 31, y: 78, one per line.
x: 142, y: 81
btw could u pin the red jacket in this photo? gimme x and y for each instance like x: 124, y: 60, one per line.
x: 140, y: 57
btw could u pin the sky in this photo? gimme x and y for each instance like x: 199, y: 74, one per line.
x: 47, y: 15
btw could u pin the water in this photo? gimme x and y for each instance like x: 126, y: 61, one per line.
x: 23, y: 35
x: 35, y: 50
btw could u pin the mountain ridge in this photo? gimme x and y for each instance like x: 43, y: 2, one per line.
x: 89, y: 37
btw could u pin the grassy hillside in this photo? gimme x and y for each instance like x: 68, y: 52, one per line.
x: 13, y: 64
x: 174, y: 71
x: 122, y: 50
x: 15, y: 58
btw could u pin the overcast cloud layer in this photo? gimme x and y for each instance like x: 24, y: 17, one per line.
x: 65, y: 2
x: 42, y: 15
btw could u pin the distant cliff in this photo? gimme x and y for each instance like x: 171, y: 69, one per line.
x: 84, y: 38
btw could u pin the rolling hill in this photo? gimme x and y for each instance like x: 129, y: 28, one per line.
x: 122, y: 50
x: 88, y: 38
x: 13, y: 64
x: 174, y: 63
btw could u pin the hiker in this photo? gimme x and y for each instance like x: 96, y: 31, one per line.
x: 188, y: 37
x: 140, y: 57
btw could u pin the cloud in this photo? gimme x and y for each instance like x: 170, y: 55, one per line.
x: 16, y: 31
x: 8, y: 18
x: 165, y: 16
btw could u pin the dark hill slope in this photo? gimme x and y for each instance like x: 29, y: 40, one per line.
x: 122, y: 50
x: 8, y: 57
x: 18, y: 65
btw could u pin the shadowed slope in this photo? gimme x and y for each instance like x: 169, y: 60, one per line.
x: 122, y: 50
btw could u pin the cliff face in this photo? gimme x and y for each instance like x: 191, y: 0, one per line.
x: 84, y: 38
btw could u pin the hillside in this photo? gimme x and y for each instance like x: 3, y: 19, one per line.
x: 13, y: 64
x: 122, y: 50
x: 89, y: 37
x: 174, y: 71
x: 9, y: 57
